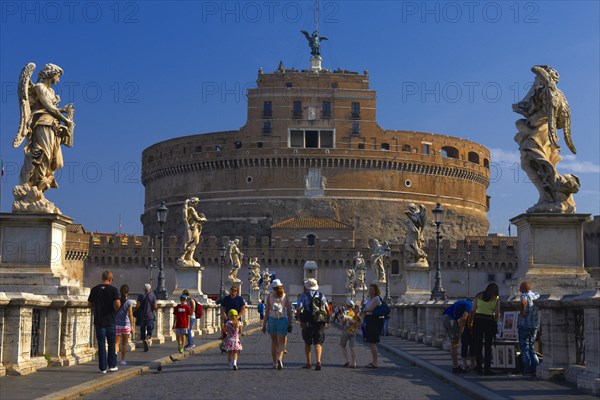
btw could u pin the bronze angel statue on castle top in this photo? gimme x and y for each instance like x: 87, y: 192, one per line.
x: 44, y: 129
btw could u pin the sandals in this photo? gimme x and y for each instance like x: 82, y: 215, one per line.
x: 370, y: 365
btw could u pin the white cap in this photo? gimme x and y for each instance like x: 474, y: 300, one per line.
x: 276, y: 283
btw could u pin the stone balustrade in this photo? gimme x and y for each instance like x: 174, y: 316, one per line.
x: 569, y: 340
x: 38, y: 330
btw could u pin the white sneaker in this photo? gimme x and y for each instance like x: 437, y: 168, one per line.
x: 113, y: 369
x: 103, y: 372
x: 149, y: 340
x: 123, y: 362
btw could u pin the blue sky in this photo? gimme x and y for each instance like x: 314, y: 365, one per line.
x: 143, y: 72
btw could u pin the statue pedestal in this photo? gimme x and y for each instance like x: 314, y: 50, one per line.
x: 255, y: 295
x: 551, y: 252
x: 417, y: 281
x: 32, y: 252
x: 189, y: 278
x: 315, y: 63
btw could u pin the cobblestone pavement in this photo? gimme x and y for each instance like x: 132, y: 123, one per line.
x: 206, y: 376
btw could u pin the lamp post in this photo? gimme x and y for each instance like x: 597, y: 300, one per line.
x: 249, y: 284
x: 468, y: 264
x: 161, y: 290
x: 153, y: 264
x: 222, y: 252
x: 387, y: 251
x: 438, y: 292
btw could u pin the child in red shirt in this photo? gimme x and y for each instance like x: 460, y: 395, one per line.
x: 182, y: 321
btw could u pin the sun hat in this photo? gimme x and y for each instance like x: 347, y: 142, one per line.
x: 349, y: 303
x: 147, y: 286
x: 276, y: 283
x: 232, y: 313
x: 311, y: 284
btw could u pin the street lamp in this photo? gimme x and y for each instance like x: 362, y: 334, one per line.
x: 161, y: 290
x: 438, y: 292
x: 153, y: 264
x: 387, y: 251
x: 222, y: 252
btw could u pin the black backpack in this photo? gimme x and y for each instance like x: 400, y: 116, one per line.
x: 317, y: 312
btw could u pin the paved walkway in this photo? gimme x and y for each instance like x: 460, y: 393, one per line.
x: 407, y: 370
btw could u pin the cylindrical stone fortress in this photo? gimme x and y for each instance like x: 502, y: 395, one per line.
x: 312, y: 148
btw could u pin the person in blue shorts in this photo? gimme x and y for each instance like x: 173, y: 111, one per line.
x: 278, y: 321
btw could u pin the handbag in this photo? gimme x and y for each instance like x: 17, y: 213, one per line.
x: 382, y: 310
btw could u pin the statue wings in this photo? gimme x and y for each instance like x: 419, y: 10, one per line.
x: 23, y: 92
x: 556, y: 106
x: 308, y: 37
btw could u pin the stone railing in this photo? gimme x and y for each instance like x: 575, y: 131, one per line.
x: 569, y: 341
x: 38, y: 331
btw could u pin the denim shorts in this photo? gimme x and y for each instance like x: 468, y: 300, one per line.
x: 277, y: 326
x: 181, y: 331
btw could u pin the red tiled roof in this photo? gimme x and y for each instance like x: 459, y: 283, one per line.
x: 494, y: 240
x: 311, y: 223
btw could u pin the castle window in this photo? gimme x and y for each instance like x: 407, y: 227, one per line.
x: 508, y: 276
x: 289, y: 84
x: 355, y: 128
x: 473, y: 157
x: 312, y: 139
x: 334, y: 85
x: 218, y: 147
x: 486, y: 163
x: 238, y: 145
x: 259, y: 145
x: 406, y: 148
x: 426, y: 148
x: 355, y: 109
x: 361, y: 146
x: 267, y: 127
x: 310, y: 240
x: 198, y: 149
x: 267, y: 109
x: 395, y: 267
x: 449, y: 152
x: 385, y: 146
x: 297, y: 109
x: 491, y: 277
x: 326, y: 109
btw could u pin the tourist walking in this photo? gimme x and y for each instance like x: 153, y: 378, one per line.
x: 314, y: 317
x: 528, y: 325
x: 104, y: 298
x: 144, y: 309
x: 123, y: 323
x: 349, y: 322
x: 278, y: 321
x: 181, y: 324
x: 233, y: 302
x: 232, y: 329
x: 486, y: 310
x: 467, y: 350
x: 373, y: 323
x: 455, y: 321
x: 192, y: 304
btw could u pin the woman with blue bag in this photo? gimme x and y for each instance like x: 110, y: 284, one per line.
x: 374, y: 321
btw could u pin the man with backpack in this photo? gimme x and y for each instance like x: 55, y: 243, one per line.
x: 314, y: 317
x: 196, y: 309
x: 145, y: 307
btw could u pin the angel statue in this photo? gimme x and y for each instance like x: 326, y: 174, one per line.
x: 193, y: 223
x: 254, y: 270
x: 266, y: 280
x: 546, y: 110
x: 361, y: 269
x: 314, y: 42
x: 44, y: 128
x: 235, y: 258
x: 351, y: 282
x: 414, y: 234
x: 377, y: 260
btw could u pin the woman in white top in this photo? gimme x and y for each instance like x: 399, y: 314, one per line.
x: 374, y: 323
x: 278, y: 321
